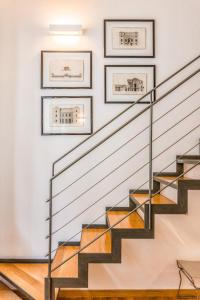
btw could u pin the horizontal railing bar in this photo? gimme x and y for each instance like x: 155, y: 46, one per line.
x: 98, y: 200
x: 125, y: 110
x: 124, y: 125
x: 119, y: 166
x: 124, y: 144
x: 119, y: 202
x: 125, y: 217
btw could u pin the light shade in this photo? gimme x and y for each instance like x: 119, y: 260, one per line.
x: 65, y: 29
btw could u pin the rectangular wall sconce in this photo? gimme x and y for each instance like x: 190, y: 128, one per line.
x: 65, y: 29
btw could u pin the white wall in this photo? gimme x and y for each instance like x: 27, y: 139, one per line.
x: 26, y: 156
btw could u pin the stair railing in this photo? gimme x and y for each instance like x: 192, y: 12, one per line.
x: 135, y: 190
x: 150, y: 162
x: 110, y: 191
x: 126, y: 216
x: 123, y: 145
x: 151, y: 92
x: 128, y: 159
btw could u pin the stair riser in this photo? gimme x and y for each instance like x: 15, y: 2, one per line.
x: 141, y: 213
x: 169, y: 192
x: 194, y: 173
x: 133, y: 204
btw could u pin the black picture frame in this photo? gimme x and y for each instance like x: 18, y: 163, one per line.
x: 63, y: 51
x: 70, y: 97
x: 129, y: 56
x: 128, y: 102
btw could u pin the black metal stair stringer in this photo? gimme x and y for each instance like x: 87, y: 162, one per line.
x: 118, y: 234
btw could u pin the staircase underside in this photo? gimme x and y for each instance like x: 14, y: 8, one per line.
x: 29, y: 279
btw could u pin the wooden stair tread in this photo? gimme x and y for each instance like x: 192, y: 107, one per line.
x: 70, y: 268
x: 133, y: 221
x: 37, y: 271
x: 157, y: 199
x: 23, y: 280
x: 7, y: 294
x: 188, y: 161
x: 169, y: 179
x: 102, y: 245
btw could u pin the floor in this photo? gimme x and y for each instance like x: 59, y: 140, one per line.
x: 130, y: 298
x: 6, y: 294
x: 123, y: 295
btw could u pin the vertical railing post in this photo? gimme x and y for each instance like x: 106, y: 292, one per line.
x: 50, y: 241
x: 150, y: 156
x: 53, y: 169
x: 199, y: 146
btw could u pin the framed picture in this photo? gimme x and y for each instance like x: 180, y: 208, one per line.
x: 128, y: 83
x: 67, y: 115
x: 129, y: 38
x: 66, y: 69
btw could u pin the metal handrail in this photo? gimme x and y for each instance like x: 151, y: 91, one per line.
x: 123, y: 199
x: 126, y: 123
x: 123, y: 145
x: 126, y: 216
x: 109, y: 192
x: 125, y: 110
x: 149, y: 107
x: 124, y: 162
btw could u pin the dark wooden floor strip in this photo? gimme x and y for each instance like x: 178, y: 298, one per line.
x: 122, y: 294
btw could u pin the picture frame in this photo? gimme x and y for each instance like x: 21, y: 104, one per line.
x: 66, y: 69
x: 66, y: 115
x: 126, y: 84
x: 130, y: 38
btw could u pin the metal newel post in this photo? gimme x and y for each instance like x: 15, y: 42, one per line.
x: 50, y: 240
x: 150, y: 157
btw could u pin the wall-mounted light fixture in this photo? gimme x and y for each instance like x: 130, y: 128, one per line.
x: 65, y: 29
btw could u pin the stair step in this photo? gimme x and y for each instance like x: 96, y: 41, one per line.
x: 156, y: 200
x: 169, y: 179
x: 70, y: 268
x: 7, y: 294
x: 33, y: 284
x: 102, y: 245
x: 36, y: 271
x: 133, y: 221
x: 188, y: 159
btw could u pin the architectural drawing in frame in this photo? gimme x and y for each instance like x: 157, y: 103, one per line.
x: 129, y: 38
x: 66, y: 115
x: 66, y: 69
x: 128, y: 83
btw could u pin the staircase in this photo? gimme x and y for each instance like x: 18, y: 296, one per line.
x: 101, y: 243
x: 6, y: 293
